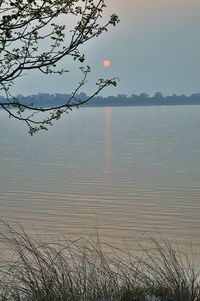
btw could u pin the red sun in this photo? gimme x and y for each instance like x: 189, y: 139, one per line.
x: 106, y: 63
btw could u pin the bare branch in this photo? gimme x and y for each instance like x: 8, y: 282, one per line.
x: 25, y: 27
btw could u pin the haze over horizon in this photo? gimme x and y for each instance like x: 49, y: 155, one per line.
x: 154, y: 48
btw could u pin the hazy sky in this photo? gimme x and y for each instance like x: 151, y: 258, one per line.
x: 156, y: 47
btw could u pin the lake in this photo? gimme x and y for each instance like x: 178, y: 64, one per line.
x: 122, y: 172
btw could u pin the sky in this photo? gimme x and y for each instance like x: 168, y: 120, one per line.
x: 155, y: 47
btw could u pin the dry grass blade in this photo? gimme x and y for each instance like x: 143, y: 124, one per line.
x: 85, y: 270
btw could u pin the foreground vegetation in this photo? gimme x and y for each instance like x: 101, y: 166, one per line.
x: 81, y: 270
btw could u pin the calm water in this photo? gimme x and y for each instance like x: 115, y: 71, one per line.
x: 125, y: 171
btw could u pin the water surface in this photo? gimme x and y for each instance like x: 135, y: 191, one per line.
x: 125, y: 171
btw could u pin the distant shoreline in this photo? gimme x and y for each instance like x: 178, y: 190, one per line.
x: 52, y: 100
x: 137, y: 105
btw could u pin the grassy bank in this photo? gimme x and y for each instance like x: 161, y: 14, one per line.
x: 81, y: 270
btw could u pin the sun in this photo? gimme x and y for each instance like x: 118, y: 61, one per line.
x: 106, y: 63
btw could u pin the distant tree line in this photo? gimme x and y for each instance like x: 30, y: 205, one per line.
x: 57, y: 99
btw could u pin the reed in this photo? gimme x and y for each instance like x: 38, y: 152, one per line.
x: 85, y: 270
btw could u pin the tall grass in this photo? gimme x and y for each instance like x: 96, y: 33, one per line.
x: 84, y: 270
